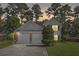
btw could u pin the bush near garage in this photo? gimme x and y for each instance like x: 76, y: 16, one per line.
x: 48, y: 35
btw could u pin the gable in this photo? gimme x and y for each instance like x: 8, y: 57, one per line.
x: 30, y: 26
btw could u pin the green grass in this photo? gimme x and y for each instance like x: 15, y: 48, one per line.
x: 64, y: 49
x: 5, y: 43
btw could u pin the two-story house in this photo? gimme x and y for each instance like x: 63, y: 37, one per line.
x: 56, y: 26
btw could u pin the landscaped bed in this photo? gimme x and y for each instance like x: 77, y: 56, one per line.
x: 64, y: 49
x: 6, y: 43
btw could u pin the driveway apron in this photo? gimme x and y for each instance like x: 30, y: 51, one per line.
x: 23, y: 50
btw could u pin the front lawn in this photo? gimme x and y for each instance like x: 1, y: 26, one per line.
x: 64, y: 49
x: 5, y: 43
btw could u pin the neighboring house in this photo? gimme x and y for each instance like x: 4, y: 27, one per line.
x: 56, y: 26
x: 29, y: 33
x: 3, y: 36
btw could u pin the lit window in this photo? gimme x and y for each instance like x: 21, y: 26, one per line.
x: 18, y: 33
x: 55, y: 37
x: 55, y: 27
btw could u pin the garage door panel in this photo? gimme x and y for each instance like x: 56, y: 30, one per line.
x: 36, y: 38
x: 23, y: 38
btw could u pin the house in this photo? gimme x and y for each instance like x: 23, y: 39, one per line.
x: 3, y: 36
x: 56, y: 26
x: 29, y: 33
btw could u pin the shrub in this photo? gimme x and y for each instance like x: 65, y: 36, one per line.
x: 69, y: 38
x: 48, y: 35
x: 10, y: 36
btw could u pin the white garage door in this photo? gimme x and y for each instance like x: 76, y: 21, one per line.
x: 36, y: 38
x: 23, y: 38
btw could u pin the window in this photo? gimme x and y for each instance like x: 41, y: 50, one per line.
x: 55, y: 37
x: 55, y: 27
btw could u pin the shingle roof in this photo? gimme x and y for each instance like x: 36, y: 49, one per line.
x: 30, y: 25
x: 52, y: 22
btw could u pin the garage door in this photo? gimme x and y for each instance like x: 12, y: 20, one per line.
x: 23, y: 38
x: 30, y: 38
x: 36, y: 38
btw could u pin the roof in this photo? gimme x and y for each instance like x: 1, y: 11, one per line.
x: 52, y: 22
x: 29, y: 26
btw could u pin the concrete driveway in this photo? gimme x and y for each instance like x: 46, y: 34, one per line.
x: 23, y: 50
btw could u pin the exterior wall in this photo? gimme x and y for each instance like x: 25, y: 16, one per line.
x: 57, y: 32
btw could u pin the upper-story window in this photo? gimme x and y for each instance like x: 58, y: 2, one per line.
x: 55, y: 27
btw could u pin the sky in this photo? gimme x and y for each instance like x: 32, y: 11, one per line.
x: 44, y: 7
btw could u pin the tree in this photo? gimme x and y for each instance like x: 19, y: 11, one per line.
x: 11, y: 9
x: 29, y: 15
x: 76, y: 25
x: 17, y: 9
x: 36, y: 11
x: 22, y: 8
x: 66, y: 9
x: 62, y: 12
x: 66, y: 26
x: 48, y: 35
x: 76, y: 10
x: 1, y: 12
x: 12, y: 24
x: 1, y: 21
x: 59, y: 11
x: 53, y: 8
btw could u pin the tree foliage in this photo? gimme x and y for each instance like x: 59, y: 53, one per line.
x: 76, y: 9
x: 36, y: 11
x: 53, y: 8
x: 29, y: 15
x: 47, y: 35
x: 17, y: 9
x: 76, y: 24
x: 1, y: 21
x: 59, y: 11
x: 12, y: 24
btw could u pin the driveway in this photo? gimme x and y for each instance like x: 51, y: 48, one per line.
x: 23, y: 50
